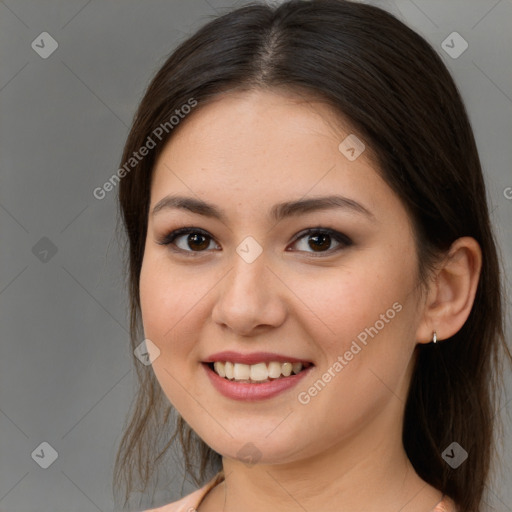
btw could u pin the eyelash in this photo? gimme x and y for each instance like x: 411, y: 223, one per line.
x: 341, y: 238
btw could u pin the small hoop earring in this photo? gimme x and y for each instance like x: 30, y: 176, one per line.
x: 434, y: 337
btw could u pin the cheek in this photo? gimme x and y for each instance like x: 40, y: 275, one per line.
x: 151, y: 297
x: 174, y: 305
x: 341, y: 302
x: 164, y: 308
x: 164, y: 292
x: 164, y: 302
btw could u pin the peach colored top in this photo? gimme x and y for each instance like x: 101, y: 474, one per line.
x: 191, y: 502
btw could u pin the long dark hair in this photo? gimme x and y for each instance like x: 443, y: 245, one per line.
x: 398, y: 96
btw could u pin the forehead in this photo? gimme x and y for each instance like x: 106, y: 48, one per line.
x: 238, y: 116
x: 247, y: 149
x: 243, y: 131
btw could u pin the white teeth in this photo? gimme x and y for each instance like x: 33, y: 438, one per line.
x: 241, y: 371
x: 228, y: 370
x: 219, y: 368
x: 274, y: 369
x: 296, y: 367
x: 255, y: 372
x: 258, y: 371
x: 286, y: 370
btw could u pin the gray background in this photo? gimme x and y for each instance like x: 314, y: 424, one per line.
x: 66, y: 374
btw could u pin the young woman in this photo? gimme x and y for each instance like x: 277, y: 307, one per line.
x: 312, y: 269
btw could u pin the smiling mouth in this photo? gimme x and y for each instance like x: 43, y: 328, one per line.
x: 256, y: 373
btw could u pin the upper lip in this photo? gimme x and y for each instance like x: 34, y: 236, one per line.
x: 252, y: 358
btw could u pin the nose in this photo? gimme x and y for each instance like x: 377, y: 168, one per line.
x: 250, y: 298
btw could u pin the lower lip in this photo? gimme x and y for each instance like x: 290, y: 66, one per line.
x: 253, y: 391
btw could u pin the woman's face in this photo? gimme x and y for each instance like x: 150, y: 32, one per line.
x: 252, y: 282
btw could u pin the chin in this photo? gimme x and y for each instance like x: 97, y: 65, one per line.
x: 258, y: 450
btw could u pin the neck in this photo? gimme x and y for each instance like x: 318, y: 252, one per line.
x: 366, y: 473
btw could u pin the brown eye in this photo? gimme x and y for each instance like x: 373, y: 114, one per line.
x: 320, y: 240
x: 197, y: 241
x: 194, y: 240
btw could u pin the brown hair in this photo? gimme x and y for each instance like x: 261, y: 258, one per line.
x: 398, y: 96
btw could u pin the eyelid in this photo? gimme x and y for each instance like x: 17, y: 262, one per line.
x: 168, y: 239
x: 341, y: 238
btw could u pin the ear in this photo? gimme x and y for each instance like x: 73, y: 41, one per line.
x: 452, y: 291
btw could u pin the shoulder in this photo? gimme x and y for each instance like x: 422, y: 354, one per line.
x: 185, y: 504
x: 445, y: 505
x: 191, y: 501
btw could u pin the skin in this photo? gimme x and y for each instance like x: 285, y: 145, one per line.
x: 342, y: 451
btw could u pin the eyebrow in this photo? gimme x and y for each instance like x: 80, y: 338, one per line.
x: 277, y: 213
